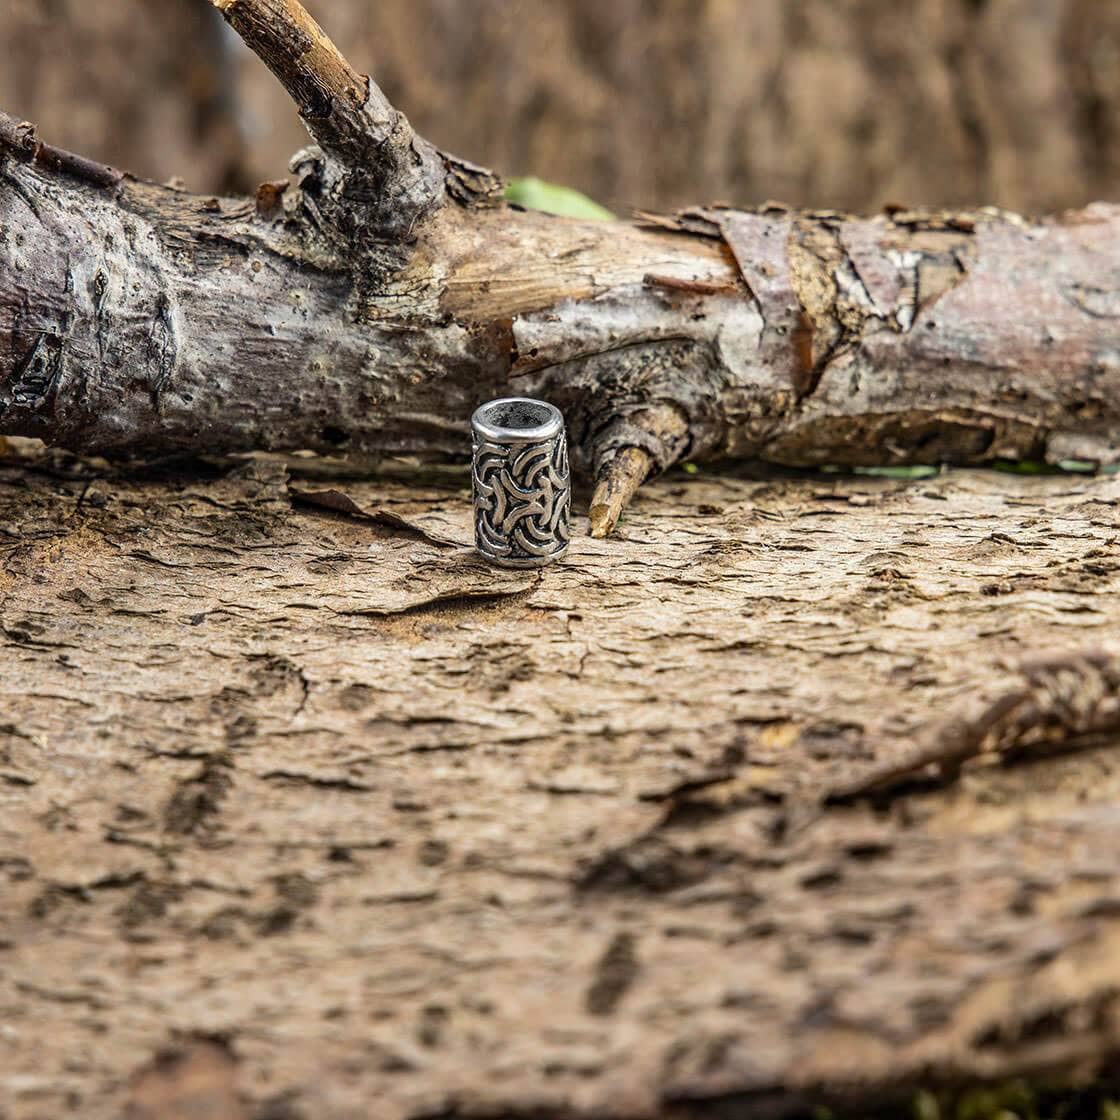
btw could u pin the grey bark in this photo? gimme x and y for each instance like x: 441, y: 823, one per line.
x: 138, y: 319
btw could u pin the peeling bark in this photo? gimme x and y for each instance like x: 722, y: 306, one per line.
x: 139, y: 319
x: 374, y: 307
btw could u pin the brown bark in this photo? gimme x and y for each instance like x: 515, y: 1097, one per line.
x: 377, y: 309
x: 308, y: 815
x: 765, y: 803
x: 638, y: 102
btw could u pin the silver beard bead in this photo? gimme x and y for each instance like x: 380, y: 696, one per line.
x: 522, y: 489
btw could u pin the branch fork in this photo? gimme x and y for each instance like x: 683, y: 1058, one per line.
x: 373, y: 308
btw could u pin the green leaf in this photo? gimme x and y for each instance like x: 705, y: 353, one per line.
x: 1066, y: 466
x: 926, y: 1106
x: 919, y: 471
x: 536, y: 194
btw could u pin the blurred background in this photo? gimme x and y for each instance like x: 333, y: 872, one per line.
x: 658, y: 103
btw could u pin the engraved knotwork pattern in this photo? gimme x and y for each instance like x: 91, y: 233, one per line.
x: 522, y: 497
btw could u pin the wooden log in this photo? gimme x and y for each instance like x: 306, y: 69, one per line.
x: 137, y: 319
x: 753, y: 808
x: 765, y: 804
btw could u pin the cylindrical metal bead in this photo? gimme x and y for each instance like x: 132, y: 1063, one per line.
x: 522, y: 490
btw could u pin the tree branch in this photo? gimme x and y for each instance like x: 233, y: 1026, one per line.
x: 373, y: 308
x: 637, y: 446
x: 330, y: 95
x: 383, y: 179
x: 618, y: 481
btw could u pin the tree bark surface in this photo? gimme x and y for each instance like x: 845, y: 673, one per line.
x: 309, y: 814
x: 774, y: 800
x: 135, y: 318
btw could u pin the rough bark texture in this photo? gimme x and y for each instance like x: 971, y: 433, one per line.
x: 135, y: 318
x: 308, y: 815
x: 638, y: 102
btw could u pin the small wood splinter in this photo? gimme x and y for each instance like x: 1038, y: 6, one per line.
x: 712, y: 333
x: 619, y: 475
x: 618, y: 482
